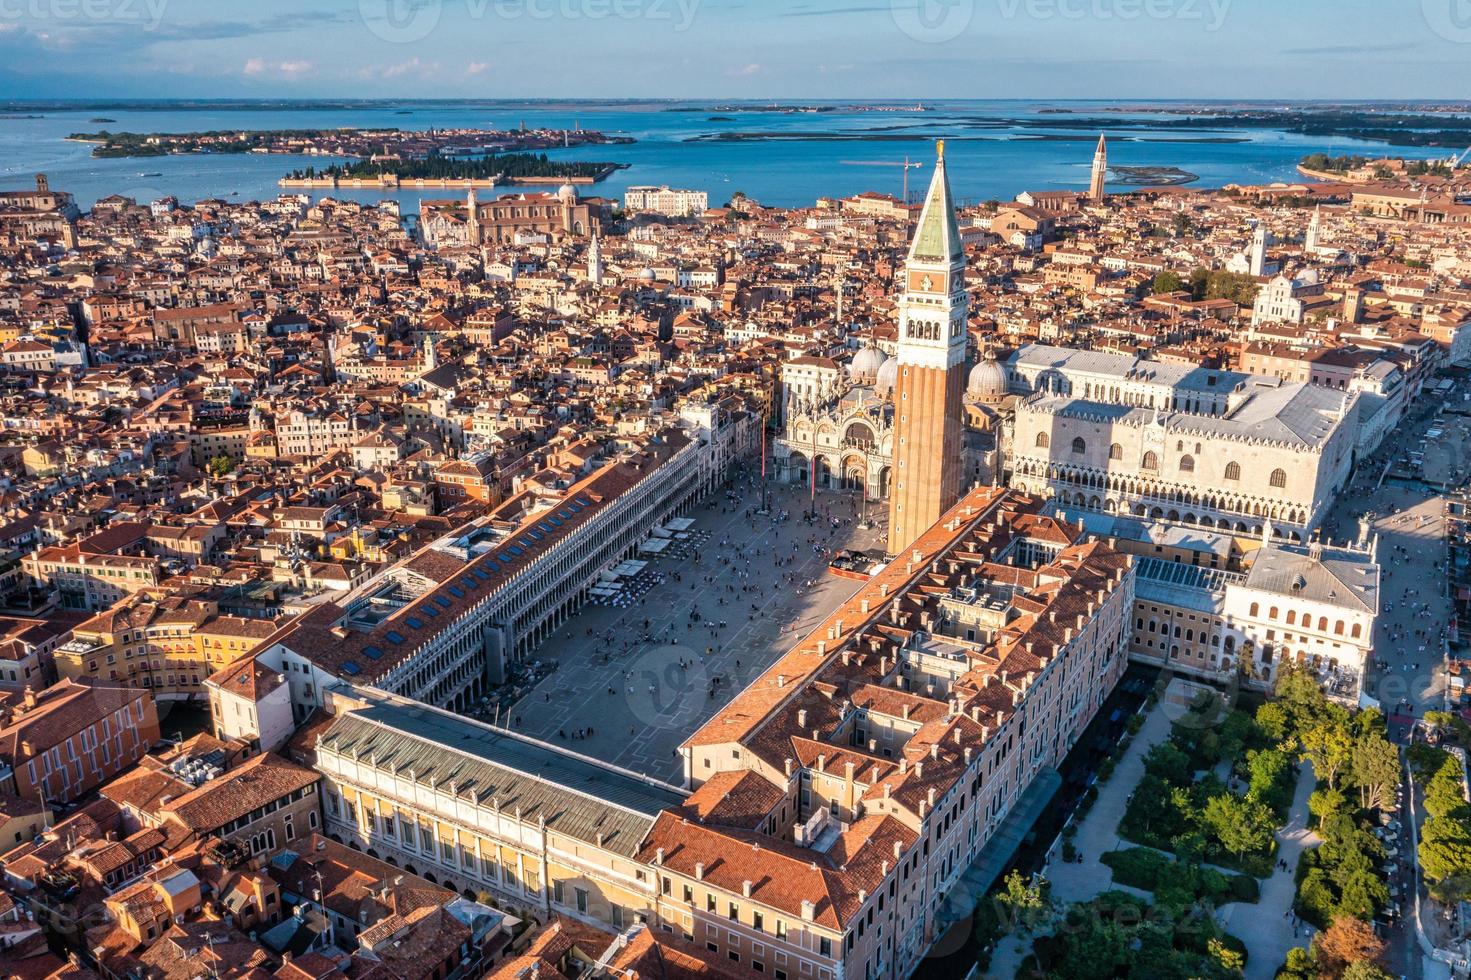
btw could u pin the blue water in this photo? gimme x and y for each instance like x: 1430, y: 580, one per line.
x: 984, y: 163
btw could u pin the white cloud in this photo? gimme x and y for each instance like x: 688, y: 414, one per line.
x: 747, y: 70
x: 255, y: 66
x: 415, y: 66
x: 476, y: 67
x: 294, y: 68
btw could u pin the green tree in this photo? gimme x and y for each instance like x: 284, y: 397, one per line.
x: 1167, y: 282
x: 1324, y: 803
x: 1452, y: 889
x: 1444, y: 857
x: 1241, y: 826
x: 1229, y: 959
x: 1266, y: 768
x: 1024, y: 902
x: 1300, y: 965
x: 1366, y: 970
x: 1168, y: 763
x: 1375, y: 770
x: 1325, y: 744
x: 1362, y: 895
x: 221, y: 465
x: 1274, y: 720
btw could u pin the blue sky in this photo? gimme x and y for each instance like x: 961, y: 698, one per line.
x: 842, y: 49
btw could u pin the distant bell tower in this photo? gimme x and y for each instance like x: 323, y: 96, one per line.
x: 1258, y: 258
x: 929, y: 424
x: 473, y: 207
x: 1096, y: 189
x: 1315, y: 231
x: 595, y: 261
x: 43, y: 186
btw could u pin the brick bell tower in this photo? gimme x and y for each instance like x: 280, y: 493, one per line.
x: 929, y: 421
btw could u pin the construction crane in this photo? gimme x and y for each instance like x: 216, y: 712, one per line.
x: 889, y: 163
x: 1456, y: 161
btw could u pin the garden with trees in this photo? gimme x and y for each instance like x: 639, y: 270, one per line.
x: 1182, y: 806
x: 1116, y: 936
x: 1445, y: 837
x: 1340, y: 884
x: 1204, y: 284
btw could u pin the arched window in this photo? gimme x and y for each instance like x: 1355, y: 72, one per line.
x: 1187, y: 464
x: 1151, y: 461
x: 1115, y: 451
x: 1273, y: 613
x: 1357, y: 631
x: 1233, y: 470
x: 1042, y: 441
x: 1338, y: 628
x: 1291, y: 617
x: 858, y: 434
x: 1279, y: 479
x: 1256, y: 608
x: 1079, y: 446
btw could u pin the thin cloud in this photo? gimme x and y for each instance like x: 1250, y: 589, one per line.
x: 837, y: 11
x: 413, y: 66
x: 1352, y: 49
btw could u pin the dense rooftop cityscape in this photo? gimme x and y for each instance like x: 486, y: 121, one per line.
x: 541, y: 583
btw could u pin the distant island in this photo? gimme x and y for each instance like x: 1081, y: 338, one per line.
x: 726, y: 109
x: 1152, y: 176
x: 1395, y: 129
x: 511, y: 168
x: 16, y: 115
x: 347, y: 141
x: 852, y: 135
x: 101, y: 119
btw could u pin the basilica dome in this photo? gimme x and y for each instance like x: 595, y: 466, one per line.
x: 887, y: 376
x: 987, y: 381
x: 866, y: 364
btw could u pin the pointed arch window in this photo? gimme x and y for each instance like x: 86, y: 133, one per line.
x: 1233, y: 470
x: 1151, y: 461
x: 1279, y: 479
x: 1187, y: 464
x: 1043, y: 441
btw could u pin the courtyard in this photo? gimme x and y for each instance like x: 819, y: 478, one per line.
x: 634, y: 677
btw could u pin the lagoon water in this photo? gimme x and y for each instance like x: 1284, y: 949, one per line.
x: 986, y: 161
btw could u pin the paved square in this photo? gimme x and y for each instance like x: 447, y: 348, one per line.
x: 632, y: 683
